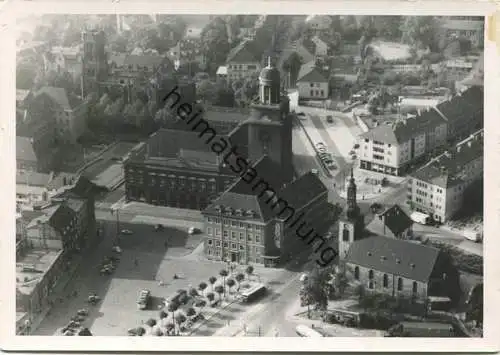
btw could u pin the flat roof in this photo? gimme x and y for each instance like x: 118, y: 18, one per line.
x: 31, y: 268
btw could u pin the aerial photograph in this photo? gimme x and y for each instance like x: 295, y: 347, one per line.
x: 249, y: 175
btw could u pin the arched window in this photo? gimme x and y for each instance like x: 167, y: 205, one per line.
x: 386, y: 281
x: 400, y: 284
x: 370, y: 274
x: 356, y: 272
x: 414, y: 290
x: 345, y: 234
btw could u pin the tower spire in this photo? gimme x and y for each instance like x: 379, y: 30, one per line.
x: 269, y: 61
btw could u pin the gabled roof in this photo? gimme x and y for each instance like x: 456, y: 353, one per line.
x: 464, y: 105
x: 394, y: 256
x: 60, y: 97
x: 310, y: 73
x: 24, y: 149
x: 394, y: 218
x: 241, y: 196
x: 245, y: 52
x: 301, y: 191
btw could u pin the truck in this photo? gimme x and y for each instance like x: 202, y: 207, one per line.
x: 473, y: 235
x: 419, y: 217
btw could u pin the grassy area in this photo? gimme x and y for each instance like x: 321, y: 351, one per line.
x: 463, y: 261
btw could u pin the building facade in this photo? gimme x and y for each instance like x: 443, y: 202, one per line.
x: 470, y: 27
x: 392, y: 223
x: 312, y: 83
x: 438, y: 188
x: 243, y: 61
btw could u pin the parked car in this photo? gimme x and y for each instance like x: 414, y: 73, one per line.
x: 331, y: 166
x: 301, y: 114
x: 83, y: 312
x: 375, y: 207
x: 143, y: 299
x: 159, y: 227
x: 356, y: 146
x: 193, y: 230
x: 117, y: 249
x: 329, y: 119
x: 314, y: 171
x: 126, y: 232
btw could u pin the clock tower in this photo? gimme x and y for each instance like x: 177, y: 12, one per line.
x: 351, y: 224
x: 270, y: 123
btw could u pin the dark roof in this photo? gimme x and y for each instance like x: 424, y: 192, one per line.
x: 61, y: 217
x: 24, y: 149
x: 309, y: 72
x: 245, y: 52
x: 463, y: 106
x: 394, y: 256
x: 240, y: 195
x: 395, y: 219
x: 167, y: 143
x: 447, y: 169
x: 301, y: 191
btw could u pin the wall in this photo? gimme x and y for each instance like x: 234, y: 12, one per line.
x: 44, y: 236
x: 378, y: 284
x: 242, y: 70
x: 304, y: 89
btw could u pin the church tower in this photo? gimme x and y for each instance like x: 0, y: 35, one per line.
x: 270, y: 123
x: 351, y: 224
x: 94, y: 60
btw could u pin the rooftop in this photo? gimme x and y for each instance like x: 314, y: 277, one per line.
x: 310, y: 73
x: 31, y: 268
x: 391, y: 51
x: 394, y: 256
x: 245, y: 52
x: 447, y: 170
x: 394, y: 218
x: 24, y: 149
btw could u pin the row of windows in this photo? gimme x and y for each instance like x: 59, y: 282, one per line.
x: 317, y: 92
x: 235, y: 246
x: 234, y: 224
x: 233, y: 235
x: 377, y: 149
x: 242, y: 67
x: 378, y: 157
x: 385, y: 281
x: 250, y: 259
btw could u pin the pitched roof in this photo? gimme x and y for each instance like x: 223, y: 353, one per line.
x: 310, y: 73
x: 240, y: 196
x: 394, y: 256
x: 447, y: 169
x: 393, y: 218
x: 32, y: 179
x: 24, y: 149
x: 60, y: 97
x: 464, y: 105
x: 301, y: 191
x: 245, y: 52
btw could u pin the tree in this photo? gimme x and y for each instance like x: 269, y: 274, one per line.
x: 180, y: 318
x: 193, y: 292
x: 215, y: 43
x: 224, y: 96
x: 292, y: 66
x: 85, y: 332
x: 170, y: 327
x: 220, y: 290
x: 388, y: 27
x: 190, y: 312
x: 210, y: 296
x: 230, y: 284
x: 172, y: 307
x: 223, y: 273
x: 151, y: 322
x: 212, y: 280
x: 163, y: 315
x: 200, y: 304
x: 202, y: 287
x: 249, y: 270
x: 206, y: 91
x: 419, y: 31
x: 351, y: 33
x: 25, y: 77
x: 239, y: 277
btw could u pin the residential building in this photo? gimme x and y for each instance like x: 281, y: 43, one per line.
x: 243, y: 61
x: 391, y: 148
x: 321, y: 45
x: 187, y: 51
x: 178, y: 168
x: 31, y: 189
x: 312, y: 83
x: 319, y: 22
x: 464, y: 113
x: 401, y: 269
x: 70, y: 113
x: 470, y: 27
x: 64, y: 59
x: 391, y: 223
x: 438, y: 188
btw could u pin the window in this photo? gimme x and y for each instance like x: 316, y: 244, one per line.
x: 414, y: 289
x: 225, y: 234
x: 242, y: 237
x: 233, y: 246
x: 209, y: 231
x: 210, y: 242
x: 400, y: 284
x: 370, y: 285
x: 257, y: 239
x: 370, y: 274
x: 311, y: 92
x: 233, y: 235
x: 312, y: 85
x: 241, y: 247
x: 356, y: 273
x: 225, y: 244
x: 234, y: 224
x: 386, y: 281
x: 249, y: 237
x: 217, y: 243
x: 345, y: 234
x: 217, y: 231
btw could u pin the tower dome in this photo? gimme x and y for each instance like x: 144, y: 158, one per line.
x: 269, y: 82
x: 270, y: 75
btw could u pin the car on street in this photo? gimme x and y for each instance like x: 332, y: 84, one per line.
x: 329, y: 119
x: 314, y: 171
x: 356, y: 146
x: 116, y: 249
x: 375, y: 207
x: 321, y: 149
x: 127, y: 231
x: 193, y: 230
x: 143, y: 299
x: 331, y: 166
x: 301, y: 114
x: 159, y: 227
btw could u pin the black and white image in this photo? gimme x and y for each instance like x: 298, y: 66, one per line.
x: 249, y: 175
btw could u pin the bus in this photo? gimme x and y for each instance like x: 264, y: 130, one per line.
x: 419, y: 217
x: 305, y: 331
x: 252, y: 293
